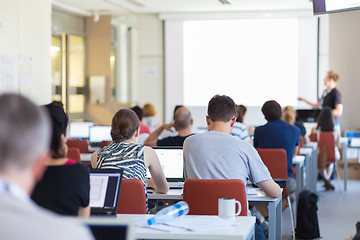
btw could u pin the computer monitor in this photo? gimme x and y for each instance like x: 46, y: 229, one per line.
x: 109, y: 228
x: 172, y: 163
x: 98, y: 134
x: 105, y: 190
x: 307, y: 115
x: 79, y: 129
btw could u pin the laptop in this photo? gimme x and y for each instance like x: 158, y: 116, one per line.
x: 104, y: 191
x: 109, y: 228
x: 172, y: 164
x: 97, y: 134
x: 79, y: 129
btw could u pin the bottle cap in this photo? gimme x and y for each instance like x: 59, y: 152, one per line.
x: 151, y: 221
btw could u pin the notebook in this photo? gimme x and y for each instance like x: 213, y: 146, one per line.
x: 97, y: 134
x: 104, y: 191
x: 172, y: 163
x: 108, y: 228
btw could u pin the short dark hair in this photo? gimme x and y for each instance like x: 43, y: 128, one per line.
x: 59, y: 122
x: 124, y: 124
x: 139, y: 112
x: 221, y: 108
x: 175, y: 109
x: 182, y: 118
x: 241, y: 110
x: 325, y: 121
x: 271, y: 110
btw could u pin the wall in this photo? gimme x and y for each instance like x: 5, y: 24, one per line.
x: 25, y: 37
x: 150, y: 85
x: 344, y: 58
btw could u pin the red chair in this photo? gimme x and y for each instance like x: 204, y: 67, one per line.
x: 105, y: 143
x: 82, y: 145
x: 327, y: 140
x: 202, y: 194
x: 313, y: 136
x: 74, y: 154
x: 276, y: 162
x: 132, y: 198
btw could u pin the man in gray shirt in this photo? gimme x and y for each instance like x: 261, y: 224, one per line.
x: 218, y: 155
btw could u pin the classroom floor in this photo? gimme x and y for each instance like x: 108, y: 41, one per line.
x: 337, y: 214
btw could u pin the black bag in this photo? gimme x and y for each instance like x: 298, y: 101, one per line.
x: 307, y: 225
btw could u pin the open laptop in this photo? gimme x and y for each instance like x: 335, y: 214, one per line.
x: 109, y: 228
x: 97, y: 134
x: 80, y: 129
x: 172, y: 163
x: 104, y: 191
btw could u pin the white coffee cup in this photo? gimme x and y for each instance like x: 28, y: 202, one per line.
x: 227, y: 206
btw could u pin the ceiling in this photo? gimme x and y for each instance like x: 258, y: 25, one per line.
x: 119, y: 7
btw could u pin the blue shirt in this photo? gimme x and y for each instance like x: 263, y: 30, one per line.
x: 278, y: 134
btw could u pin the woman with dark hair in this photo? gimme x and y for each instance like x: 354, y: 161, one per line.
x: 240, y: 129
x: 65, y: 186
x: 125, y: 154
x: 326, y: 123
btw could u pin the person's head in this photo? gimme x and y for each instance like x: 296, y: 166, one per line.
x: 240, y: 111
x: 59, y: 122
x: 125, y: 124
x: 149, y: 110
x: 182, y: 119
x: 331, y: 79
x: 325, y: 121
x: 221, y: 108
x: 139, y: 112
x: 175, y: 109
x: 271, y: 110
x: 289, y: 114
x: 24, y: 139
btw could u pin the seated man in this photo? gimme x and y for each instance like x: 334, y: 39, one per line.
x: 278, y: 134
x: 182, y: 124
x: 24, y: 141
x: 218, y: 155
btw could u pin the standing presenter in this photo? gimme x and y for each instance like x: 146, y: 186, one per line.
x: 331, y: 97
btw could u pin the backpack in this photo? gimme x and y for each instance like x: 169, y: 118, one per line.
x: 307, y: 225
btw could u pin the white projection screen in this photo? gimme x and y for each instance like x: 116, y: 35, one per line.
x: 251, y: 60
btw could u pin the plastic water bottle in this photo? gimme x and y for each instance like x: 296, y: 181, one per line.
x: 170, y: 213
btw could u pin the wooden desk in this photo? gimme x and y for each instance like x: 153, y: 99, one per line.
x: 245, y: 230
x: 274, y: 205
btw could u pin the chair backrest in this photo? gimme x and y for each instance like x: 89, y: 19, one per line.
x: 105, y: 143
x: 202, y: 194
x: 132, y: 198
x: 74, y: 154
x: 327, y: 140
x: 313, y: 136
x: 276, y: 162
x: 82, y: 145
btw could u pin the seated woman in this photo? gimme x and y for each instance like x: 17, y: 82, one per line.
x: 326, y: 123
x: 125, y: 154
x: 240, y: 129
x: 65, y: 185
x: 289, y: 116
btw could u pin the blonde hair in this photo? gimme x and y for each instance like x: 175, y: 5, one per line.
x: 333, y: 75
x: 289, y: 114
x: 149, y: 110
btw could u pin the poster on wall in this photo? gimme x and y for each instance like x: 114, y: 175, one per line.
x: 25, y: 75
x: 6, y: 74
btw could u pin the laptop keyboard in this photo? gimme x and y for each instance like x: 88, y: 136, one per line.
x: 176, y: 185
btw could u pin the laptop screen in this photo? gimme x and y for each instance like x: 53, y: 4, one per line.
x: 80, y: 129
x: 110, y: 228
x: 172, y: 163
x: 104, y: 190
x: 99, y: 133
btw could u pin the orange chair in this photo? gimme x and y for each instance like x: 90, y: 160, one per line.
x: 132, y: 198
x: 82, y: 145
x: 105, y: 143
x: 327, y: 140
x: 74, y: 154
x: 276, y: 161
x: 202, y: 194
